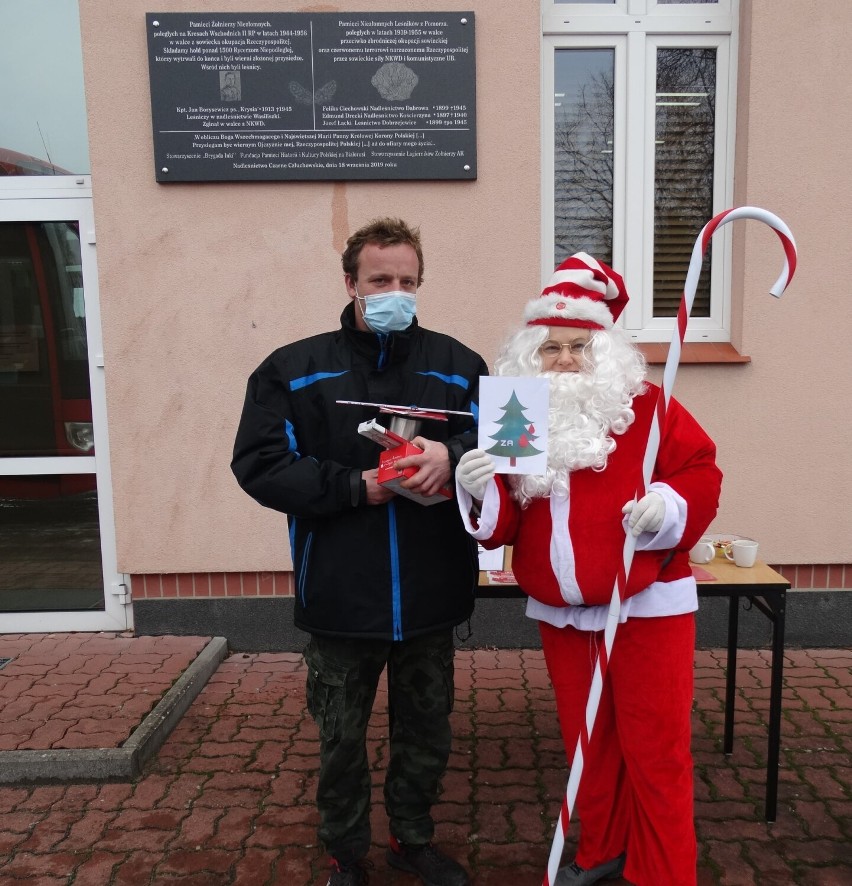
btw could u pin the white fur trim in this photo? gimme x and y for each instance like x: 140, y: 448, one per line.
x: 671, y: 532
x: 545, y: 307
x: 490, y: 507
x: 658, y: 599
x: 562, y: 551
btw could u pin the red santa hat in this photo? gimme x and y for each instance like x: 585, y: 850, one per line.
x: 582, y: 292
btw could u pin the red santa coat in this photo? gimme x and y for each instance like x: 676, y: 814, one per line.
x: 568, y: 551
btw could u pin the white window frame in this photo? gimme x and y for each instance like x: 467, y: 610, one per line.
x: 635, y: 30
x: 64, y: 198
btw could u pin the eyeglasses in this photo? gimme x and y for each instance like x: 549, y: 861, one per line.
x: 554, y: 349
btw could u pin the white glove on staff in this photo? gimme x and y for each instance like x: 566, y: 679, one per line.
x: 646, y: 515
x: 474, y: 470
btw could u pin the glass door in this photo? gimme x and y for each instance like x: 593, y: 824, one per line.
x: 57, y: 541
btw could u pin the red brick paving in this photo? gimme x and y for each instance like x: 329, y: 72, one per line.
x: 228, y: 799
x: 84, y: 691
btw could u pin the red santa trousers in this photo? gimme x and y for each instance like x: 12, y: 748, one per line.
x: 636, y: 793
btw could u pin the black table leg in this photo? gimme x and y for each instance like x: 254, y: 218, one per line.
x: 731, y: 672
x: 778, y: 606
x: 774, y: 607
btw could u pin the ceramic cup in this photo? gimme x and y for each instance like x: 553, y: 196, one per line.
x: 703, y: 552
x: 743, y: 551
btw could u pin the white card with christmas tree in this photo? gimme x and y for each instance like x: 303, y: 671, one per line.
x: 513, y: 423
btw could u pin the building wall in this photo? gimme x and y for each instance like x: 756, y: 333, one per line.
x: 199, y: 282
x: 780, y: 422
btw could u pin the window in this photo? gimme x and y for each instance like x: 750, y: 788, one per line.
x: 638, y: 139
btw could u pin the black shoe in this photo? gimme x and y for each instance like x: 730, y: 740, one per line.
x: 574, y: 875
x: 352, y: 874
x: 430, y: 864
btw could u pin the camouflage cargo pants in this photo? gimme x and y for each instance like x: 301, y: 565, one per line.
x: 341, y: 688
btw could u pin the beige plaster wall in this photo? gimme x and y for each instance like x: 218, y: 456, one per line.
x: 783, y: 423
x: 199, y: 282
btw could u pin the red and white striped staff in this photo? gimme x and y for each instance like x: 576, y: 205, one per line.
x: 651, y: 450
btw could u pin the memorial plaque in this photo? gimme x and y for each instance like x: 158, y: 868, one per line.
x: 312, y: 96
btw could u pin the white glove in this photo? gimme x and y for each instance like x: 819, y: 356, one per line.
x: 647, y: 514
x: 474, y: 471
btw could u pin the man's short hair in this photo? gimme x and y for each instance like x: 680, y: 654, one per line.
x: 383, y: 232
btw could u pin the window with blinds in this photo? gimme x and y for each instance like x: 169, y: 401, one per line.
x: 683, y: 173
x: 638, y: 148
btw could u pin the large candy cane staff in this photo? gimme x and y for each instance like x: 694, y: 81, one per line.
x: 652, y: 447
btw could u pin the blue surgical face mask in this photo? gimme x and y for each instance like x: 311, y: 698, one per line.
x: 387, y: 312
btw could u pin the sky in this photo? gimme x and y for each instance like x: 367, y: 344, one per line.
x: 43, y: 108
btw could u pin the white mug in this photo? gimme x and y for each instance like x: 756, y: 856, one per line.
x: 743, y: 551
x: 703, y: 552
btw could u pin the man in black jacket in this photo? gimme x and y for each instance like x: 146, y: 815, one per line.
x: 381, y: 580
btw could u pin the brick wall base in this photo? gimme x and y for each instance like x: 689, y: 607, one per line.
x: 258, y: 621
x: 192, y: 585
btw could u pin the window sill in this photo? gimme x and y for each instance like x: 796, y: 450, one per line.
x: 694, y: 352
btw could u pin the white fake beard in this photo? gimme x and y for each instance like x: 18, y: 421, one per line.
x: 586, y: 410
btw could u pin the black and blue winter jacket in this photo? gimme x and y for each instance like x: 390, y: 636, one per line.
x: 389, y: 571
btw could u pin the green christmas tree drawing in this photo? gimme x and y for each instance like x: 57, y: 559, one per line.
x: 516, y: 433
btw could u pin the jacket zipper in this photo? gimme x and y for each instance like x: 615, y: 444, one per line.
x: 384, y: 341
x: 396, y: 590
x: 303, y: 571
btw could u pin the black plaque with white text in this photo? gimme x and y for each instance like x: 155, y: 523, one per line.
x: 312, y: 96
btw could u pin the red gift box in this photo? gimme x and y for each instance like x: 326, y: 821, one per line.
x: 391, y: 477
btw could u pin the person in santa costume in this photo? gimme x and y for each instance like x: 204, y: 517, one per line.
x: 567, y: 529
